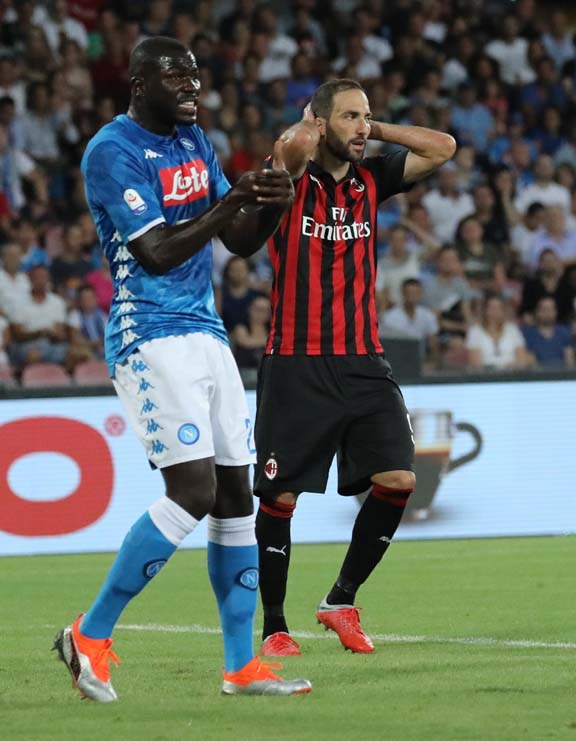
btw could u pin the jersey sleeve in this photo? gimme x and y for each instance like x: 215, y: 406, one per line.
x: 116, y: 181
x: 388, y: 173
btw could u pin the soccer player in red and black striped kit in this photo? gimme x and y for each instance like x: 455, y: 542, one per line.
x: 324, y: 386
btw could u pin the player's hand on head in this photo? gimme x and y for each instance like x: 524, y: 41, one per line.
x: 307, y: 114
x: 278, y: 157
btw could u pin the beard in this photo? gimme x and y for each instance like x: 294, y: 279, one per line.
x: 341, y: 149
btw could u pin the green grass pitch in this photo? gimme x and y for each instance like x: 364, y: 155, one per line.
x: 474, y: 640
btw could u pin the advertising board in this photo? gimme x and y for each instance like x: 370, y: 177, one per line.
x: 493, y: 459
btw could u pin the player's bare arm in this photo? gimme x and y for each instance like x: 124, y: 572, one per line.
x: 256, y: 223
x: 165, y: 247
x: 429, y: 149
x: 299, y: 143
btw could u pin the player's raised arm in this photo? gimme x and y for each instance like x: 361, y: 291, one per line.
x: 254, y: 225
x: 429, y: 149
x: 165, y: 247
x: 292, y: 152
x: 299, y: 144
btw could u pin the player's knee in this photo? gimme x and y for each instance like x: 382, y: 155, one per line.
x: 233, y: 493
x: 193, y: 487
x: 286, y: 497
x: 235, y: 501
x: 278, y: 505
x: 399, y: 480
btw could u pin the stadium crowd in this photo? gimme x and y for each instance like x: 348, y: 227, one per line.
x: 478, y: 264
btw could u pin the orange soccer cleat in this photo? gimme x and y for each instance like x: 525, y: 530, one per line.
x: 280, y: 644
x: 344, y: 620
x: 257, y: 678
x: 88, y: 661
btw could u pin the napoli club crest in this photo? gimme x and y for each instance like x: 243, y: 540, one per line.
x: 271, y: 468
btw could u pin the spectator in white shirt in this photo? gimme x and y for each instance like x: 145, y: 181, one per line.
x: 365, y: 23
x: 455, y: 71
x: 39, y: 130
x: 14, y: 284
x: 56, y: 23
x: 435, y: 27
x: 554, y: 236
x: 410, y: 319
x: 356, y: 62
x: 522, y: 235
x: 16, y: 167
x: 395, y: 267
x: 544, y: 189
x: 446, y: 204
x: 511, y: 52
x: 496, y: 342
x: 278, y: 48
x: 448, y: 294
x: 558, y: 40
x: 10, y: 85
x: 39, y: 327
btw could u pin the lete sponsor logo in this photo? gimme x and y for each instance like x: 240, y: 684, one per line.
x: 184, y: 183
x: 134, y: 201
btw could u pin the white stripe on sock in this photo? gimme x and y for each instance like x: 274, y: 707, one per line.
x: 172, y: 520
x: 233, y: 531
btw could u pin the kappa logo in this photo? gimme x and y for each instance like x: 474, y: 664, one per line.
x: 184, y: 183
x: 150, y: 154
x: 271, y: 468
x: 134, y: 201
x: 158, y: 447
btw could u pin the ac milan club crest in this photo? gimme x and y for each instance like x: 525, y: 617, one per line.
x: 271, y: 468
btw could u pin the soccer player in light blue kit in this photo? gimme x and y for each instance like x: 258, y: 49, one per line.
x: 157, y: 195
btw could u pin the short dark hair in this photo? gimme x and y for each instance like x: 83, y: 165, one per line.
x: 146, y: 54
x: 411, y: 282
x: 534, y: 208
x: 322, y: 101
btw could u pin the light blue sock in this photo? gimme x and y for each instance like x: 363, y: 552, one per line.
x: 233, y: 570
x: 143, y: 553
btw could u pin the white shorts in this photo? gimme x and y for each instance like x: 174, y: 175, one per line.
x: 185, y: 400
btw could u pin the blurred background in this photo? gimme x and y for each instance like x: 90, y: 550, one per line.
x: 477, y: 266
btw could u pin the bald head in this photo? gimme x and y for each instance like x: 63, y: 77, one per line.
x: 155, y: 52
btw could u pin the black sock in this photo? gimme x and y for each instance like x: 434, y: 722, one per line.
x: 374, y: 528
x: 273, y: 534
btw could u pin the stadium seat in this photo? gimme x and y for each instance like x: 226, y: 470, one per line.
x: 456, y: 358
x: 92, y: 373
x: 7, y: 379
x: 43, y: 375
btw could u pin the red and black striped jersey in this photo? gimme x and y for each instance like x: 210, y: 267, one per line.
x: 323, y: 258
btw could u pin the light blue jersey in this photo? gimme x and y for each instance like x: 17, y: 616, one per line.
x: 135, y: 180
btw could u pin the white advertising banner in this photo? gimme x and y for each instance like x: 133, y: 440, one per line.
x: 492, y: 459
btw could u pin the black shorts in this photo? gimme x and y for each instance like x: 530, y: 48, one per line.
x: 313, y: 407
